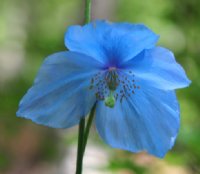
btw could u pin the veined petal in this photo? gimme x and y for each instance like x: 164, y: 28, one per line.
x: 158, y: 68
x: 110, y: 42
x: 60, y: 95
x: 148, y: 121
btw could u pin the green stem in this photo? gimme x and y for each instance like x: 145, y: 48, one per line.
x: 79, y: 161
x: 82, y: 139
x: 88, y: 126
x: 87, y: 11
x: 82, y: 136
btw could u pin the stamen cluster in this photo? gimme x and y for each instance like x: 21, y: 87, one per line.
x: 113, y: 83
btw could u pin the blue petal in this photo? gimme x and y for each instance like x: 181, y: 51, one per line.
x: 60, y: 95
x: 158, y: 68
x: 148, y: 121
x: 110, y: 42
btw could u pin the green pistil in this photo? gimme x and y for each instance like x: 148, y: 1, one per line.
x: 110, y: 100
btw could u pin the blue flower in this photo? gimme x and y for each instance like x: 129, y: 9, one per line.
x: 117, y: 66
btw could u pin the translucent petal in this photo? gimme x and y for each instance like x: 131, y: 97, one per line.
x: 110, y: 43
x: 60, y: 95
x: 157, y: 67
x: 148, y: 121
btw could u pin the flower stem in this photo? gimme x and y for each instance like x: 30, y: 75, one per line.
x: 83, y: 135
x: 87, y: 11
x: 79, y: 161
x: 82, y: 139
x: 87, y: 129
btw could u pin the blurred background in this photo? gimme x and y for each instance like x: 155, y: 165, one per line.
x: 32, y: 29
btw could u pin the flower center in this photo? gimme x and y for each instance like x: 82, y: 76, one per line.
x: 112, y: 78
x: 112, y: 85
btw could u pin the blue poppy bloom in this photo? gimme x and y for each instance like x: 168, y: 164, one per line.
x: 117, y: 66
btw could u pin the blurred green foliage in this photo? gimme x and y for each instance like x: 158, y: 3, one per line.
x: 31, y: 30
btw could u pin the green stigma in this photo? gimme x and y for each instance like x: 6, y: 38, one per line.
x: 110, y: 100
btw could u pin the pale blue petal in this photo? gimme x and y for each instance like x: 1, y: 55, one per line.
x: 157, y: 67
x: 110, y: 42
x: 148, y: 121
x: 60, y: 95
